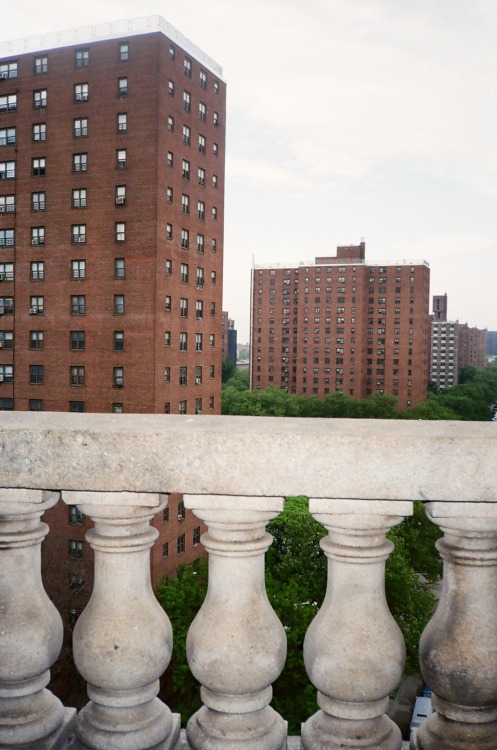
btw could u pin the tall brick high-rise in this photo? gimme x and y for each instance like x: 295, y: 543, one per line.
x: 112, y: 144
x: 342, y: 324
x: 111, y: 221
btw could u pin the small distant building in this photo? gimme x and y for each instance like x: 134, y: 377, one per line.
x: 228, y: 338
x: 454, y: 346
x: 491, y: 343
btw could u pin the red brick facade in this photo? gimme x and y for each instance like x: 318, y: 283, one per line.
x: 342, y: 325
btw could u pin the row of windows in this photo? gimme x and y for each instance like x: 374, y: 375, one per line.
x: 183, y: 340
x: 82, y: 60
x: 7, y: 404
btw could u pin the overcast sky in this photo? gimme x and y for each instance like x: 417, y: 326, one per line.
x: 346, y: 119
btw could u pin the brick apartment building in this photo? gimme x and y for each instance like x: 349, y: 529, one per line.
x: 454, y: 346
x: 228, y: 338
x: 112, y: 149
x: 342, y: 324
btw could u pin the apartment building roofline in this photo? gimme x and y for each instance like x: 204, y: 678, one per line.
x: 323, y: 261
x: 104, y: 31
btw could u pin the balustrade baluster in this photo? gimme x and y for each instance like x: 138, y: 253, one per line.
x: 236, y: 645
x: 458, y: 649
x: 354, y: 651
x: 30, y: 628
x: 122, y: 640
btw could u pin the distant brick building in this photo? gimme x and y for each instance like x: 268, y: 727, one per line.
x: 342, y: 324
x: 229, y: 338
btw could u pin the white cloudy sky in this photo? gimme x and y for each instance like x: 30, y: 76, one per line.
x: 346, y: 119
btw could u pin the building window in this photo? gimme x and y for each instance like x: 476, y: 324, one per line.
x: 120, y: 231
x: 41, y: 65
x: 212, y: 340
x: 77, y: 340
x: 167, y: 338
x: 37, y: 201
x: 167, y: 374
x: 215, y: 149
x: 199, y: 309
x: 185, y: 169
x: 170, y: 123
x: 6, y: 404
x: 213, y: 308
x: 80, y: 162
x: 198, y: 375
x: 119, y: 304
x: 39, y: 132
x: 39, y: 99
x: 118, y: 341
x: 216, y: 87
x: 6, y: 339
x: 123, y: 51
x: 215, y: 119
x: 170, y: 158
x: 81, y: 58
x: 167, y: 407
x: 167, y: 303
x: 180, y: 544
x: 214, y: 181
x: 117, y: 408
x: 37, y: 235
x: 6, y: 374
x: 184, y: 273
x: 7, y: 136
x: 183, y: 341
x: 122, y: 122
x: 185, y: 239
x: 38, y: 167
x: 77, y: 406
x: 36, y: 339
x: 214, y: 245
x: 75, y: 549
x: 202, y: 144
x: 7, y: 237
x: 77, y: 375
x: 183, y: 380
x: 78, y: 305
x: 78, y: 269
x: 122, y: 86
x: 200, y: 277
x: 172, y: 52
x: 7, y: 204
x: 186, y: 135
x: 201, y: 210
x: 8, y: 70
x: 170, y: 87
x: 35, y: 404
x: 36, y: 305
x: 203, y: 79
x: 214, y: 213
x: 202, y: 112
x: 212, y: 372
x: 201, y: 176
x: 37, y: 270
x: 198, y: 342
x: 78, y: 233
x: 213, y: 277
x: 165, y: 549
x: 80, y: 127
x: 79, y: 198
x: 187, y: 101
x: 36, y: 374
x: 187, y: 67
x: 198, y: 406
x: 185, y: 204
x: 121, y: 158
x: 169, y: 195
x: 169, y: 231
x: 200, y: 243
x: 120, y: 195
x: 118, y: 377
x: 183, y: 308
x: 81, y: 92
x: 6, y: 305
x: 8, y: 170
x: 119, y: 268
x: 168, y: 267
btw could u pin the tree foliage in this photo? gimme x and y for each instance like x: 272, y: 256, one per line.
x: 471, y: 399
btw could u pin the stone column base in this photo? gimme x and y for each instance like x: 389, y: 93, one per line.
x: 58, y: 740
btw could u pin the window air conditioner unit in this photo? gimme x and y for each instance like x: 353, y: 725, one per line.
x: 34, y: 240
x: 120, y: 200
x: 33, y: 310
x: 198, y: 381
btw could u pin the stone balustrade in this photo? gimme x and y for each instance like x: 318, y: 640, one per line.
x: 362, y: 478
